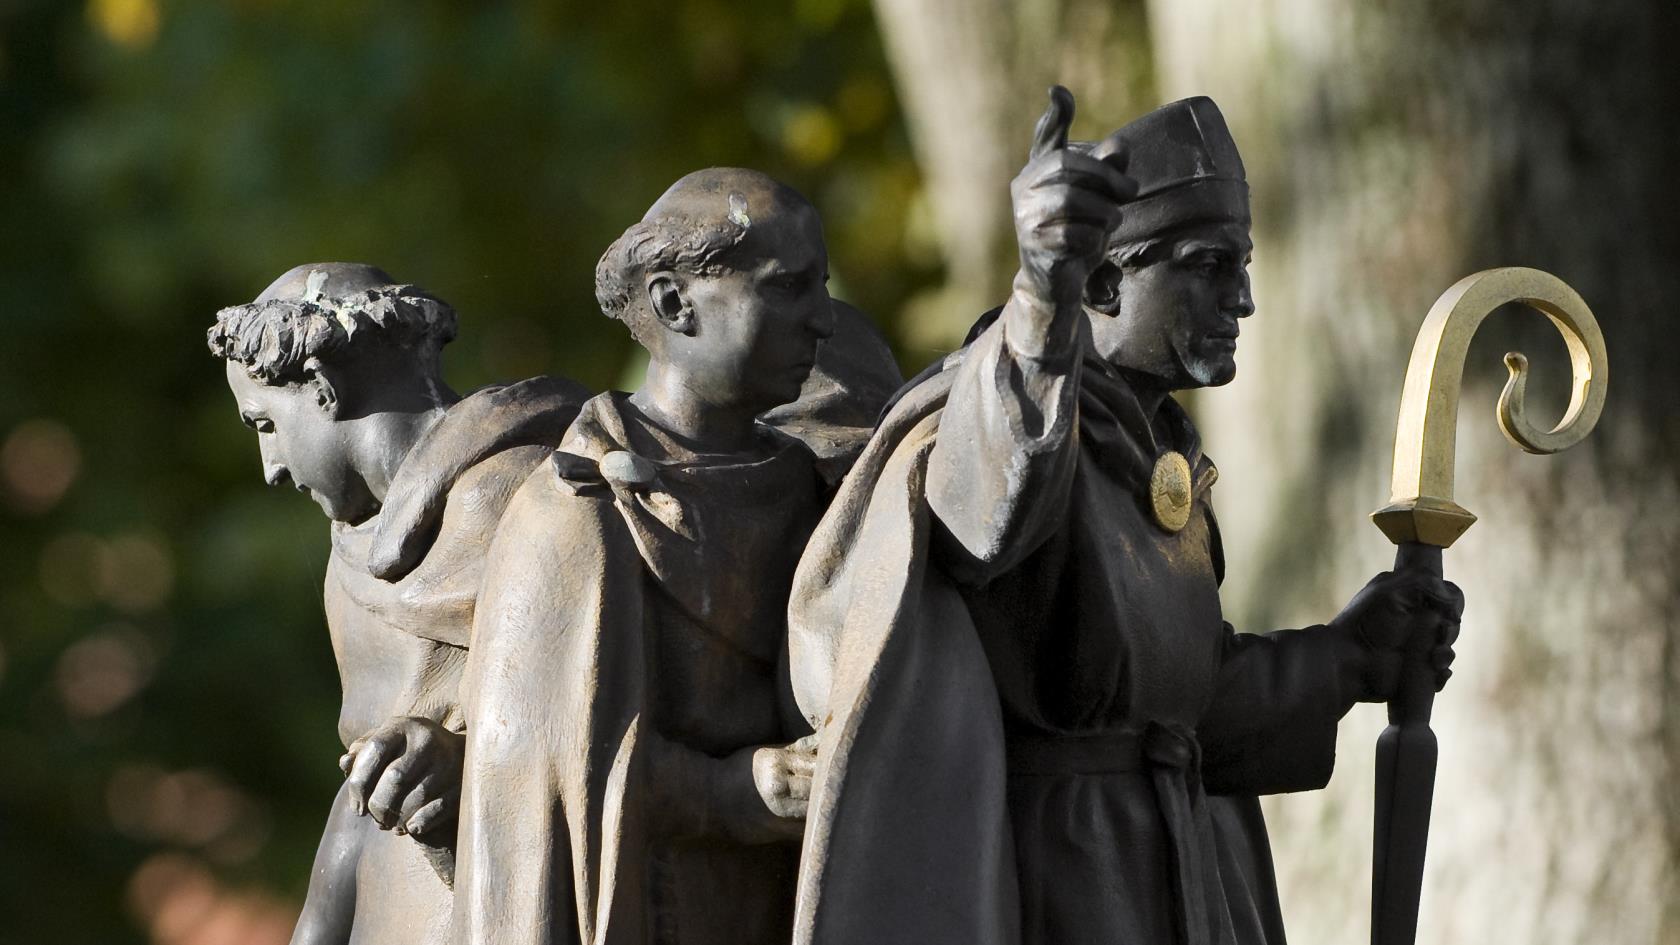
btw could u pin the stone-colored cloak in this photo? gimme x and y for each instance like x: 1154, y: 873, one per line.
x: 559, y: 811
x: 399, y: 596
x: 617, y: 573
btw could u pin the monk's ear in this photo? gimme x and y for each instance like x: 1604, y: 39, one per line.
x: 1102, y: 288
x: 668, y: 301
x: 317, y: 381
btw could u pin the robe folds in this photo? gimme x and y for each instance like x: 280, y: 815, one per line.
x: 631, y: 637
x: 631, y: 634
x: 1025, y: 695
x: 399, y: 633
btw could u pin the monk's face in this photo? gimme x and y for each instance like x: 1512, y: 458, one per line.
x: 1178, y: 312
x: 302, y: 444
x: 758, y: 323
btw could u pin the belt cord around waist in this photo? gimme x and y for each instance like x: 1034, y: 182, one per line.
x: 1172, y: 758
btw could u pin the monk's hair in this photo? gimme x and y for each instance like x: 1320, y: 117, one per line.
x: 1140, y: 253
x: 666, y: 244
x: 275, y: 340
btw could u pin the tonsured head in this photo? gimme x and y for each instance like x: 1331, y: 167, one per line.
x: 1175, y: 281
x: 324, y: 344
x: 724, y: 281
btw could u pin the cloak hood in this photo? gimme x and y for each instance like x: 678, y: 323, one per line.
x: 416, y: 564
x: 488, y: 421
x: 853, y: 379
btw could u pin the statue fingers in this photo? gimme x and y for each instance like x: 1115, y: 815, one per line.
x: 799, y: 787
x: 384, y: 804
x: 437, y: 813
x: 1083, y: 172
x: 789, y: 808
x: 1113, y: 151
x: 416, y: 730
x: 1437, y: 598
x: 799, y: 763
x: 350, y: 752
x: 1448, y: 634
x: 430, y: 789
x: 370, y: 762
x: 1442, y: 657
x: 1052, y: 130
x: 1418, y: 590
x: 1452, y: 598
x: 1077, y: 216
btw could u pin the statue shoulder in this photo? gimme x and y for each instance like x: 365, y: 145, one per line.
x: 544, y: 513
x: 489, y: 485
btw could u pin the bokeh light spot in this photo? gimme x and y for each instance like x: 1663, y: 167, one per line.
x: 811, y: 135
x: 136, y: 572
x: 863, y: 102
x: 180, y: 902
x: 818, y: 16
x: 98, y: 674
x: 39, y: 461
x: 130, y: 23
x: 192, y: 808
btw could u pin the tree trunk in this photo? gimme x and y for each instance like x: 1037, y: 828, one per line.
x: 1393, y: 148
x: 972, y: 76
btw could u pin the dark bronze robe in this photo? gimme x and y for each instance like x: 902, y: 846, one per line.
x: 1023, y: 685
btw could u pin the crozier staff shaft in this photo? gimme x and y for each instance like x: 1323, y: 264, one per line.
x: 1422, y: 519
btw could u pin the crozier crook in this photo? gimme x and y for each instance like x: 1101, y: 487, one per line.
x: 1421, y: 507
x: 1422, y: 518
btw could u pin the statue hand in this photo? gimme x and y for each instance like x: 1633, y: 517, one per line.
x: 1066, y: 204
x: 1399, y: 616
x: 783, y: 777
x: 406, y: 775
x: 759, y: 793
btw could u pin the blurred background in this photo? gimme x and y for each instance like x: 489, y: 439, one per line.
x: 167, y: 693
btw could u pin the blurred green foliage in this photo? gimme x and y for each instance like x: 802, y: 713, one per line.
x: 166, y: 686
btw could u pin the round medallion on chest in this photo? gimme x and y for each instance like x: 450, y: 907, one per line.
x: 1169, y: 491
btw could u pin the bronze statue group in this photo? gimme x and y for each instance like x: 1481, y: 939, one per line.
x: 780, y: 649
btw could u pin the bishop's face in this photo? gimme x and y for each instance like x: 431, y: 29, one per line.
x: 302, y: 444
x: 1178, y: 314
x: 759, y: 323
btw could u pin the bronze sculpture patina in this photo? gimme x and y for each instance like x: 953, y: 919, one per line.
x: 724, y: 660
x: 635, y: 769
x: 1007, y: 629
x: 335, y: 366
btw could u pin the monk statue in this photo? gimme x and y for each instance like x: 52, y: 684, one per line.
x: 1033, y: 724
x: 336, y: 368
x: 636, y: 768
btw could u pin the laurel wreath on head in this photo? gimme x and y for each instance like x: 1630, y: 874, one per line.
x: 274, y: 339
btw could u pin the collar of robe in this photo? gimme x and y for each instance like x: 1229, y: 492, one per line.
x: 657, y: 485
x: 1138, y: 450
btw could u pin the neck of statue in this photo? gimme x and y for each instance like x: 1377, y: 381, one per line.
x: 384, y: 435
x: 1151, y: 392
x: 678, y: 405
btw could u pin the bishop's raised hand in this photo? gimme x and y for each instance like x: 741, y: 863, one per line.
x: 1066, y: 203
